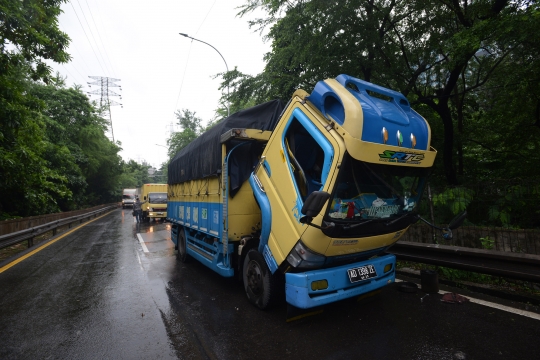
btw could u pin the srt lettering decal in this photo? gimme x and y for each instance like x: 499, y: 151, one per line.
x: 401, y: 157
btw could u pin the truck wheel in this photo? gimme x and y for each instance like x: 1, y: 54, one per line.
x: 259, y: 283
x: 182, y: 254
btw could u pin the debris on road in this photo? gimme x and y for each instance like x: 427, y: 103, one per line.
x: 453, y: 298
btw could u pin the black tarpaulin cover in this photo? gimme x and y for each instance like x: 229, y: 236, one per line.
x: 202, y: 157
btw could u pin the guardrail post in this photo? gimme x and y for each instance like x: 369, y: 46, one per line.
x: 30, y: 242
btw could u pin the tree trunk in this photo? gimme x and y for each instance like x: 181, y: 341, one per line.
x: 448, y: 147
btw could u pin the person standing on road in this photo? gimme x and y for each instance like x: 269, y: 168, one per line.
x: 137, y: 210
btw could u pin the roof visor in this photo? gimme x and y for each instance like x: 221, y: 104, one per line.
x: 373, y: 113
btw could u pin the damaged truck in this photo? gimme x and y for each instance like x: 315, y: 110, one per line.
x: 301, y: 201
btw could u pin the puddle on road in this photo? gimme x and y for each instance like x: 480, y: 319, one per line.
x: 155, y: 237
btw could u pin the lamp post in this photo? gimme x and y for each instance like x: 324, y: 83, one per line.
x: 192, y: 38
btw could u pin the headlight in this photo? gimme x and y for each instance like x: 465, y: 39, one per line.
x: 303, y: 258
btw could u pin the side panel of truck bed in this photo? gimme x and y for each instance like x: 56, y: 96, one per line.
x: 198, y: 204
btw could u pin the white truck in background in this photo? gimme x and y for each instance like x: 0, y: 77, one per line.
x: 128, y: 197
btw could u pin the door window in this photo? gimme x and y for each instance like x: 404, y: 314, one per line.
x: 309, y: 154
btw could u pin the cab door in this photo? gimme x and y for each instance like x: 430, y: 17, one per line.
x: 297, y: 161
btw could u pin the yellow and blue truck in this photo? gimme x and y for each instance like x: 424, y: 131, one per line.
x: 303, y: 199
x: 154, y: 199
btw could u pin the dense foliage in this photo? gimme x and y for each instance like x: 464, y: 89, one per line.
x: 54, y: 154
x: 28, y: 34
x: 472, y: 68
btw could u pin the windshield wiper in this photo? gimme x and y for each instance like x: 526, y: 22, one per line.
x: 347, y: 227
x: 397, y: 219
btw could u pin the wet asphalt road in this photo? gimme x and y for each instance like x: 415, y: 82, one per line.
x: 101, y: 293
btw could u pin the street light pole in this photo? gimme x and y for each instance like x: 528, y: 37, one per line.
x: 192, y: 38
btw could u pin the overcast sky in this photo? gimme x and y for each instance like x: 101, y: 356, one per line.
x: 138, y: 42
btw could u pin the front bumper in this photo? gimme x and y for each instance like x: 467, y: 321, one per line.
x: 157, y: 214
x: 300, y: 294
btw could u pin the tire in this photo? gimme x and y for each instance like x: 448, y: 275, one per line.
x: 182, y: 254
x: 260, y: 285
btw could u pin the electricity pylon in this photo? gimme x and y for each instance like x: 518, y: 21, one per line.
x: 104, y: 92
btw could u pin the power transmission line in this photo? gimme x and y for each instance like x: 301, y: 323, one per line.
x: 69, y: 73
x: 99, y: 36
x: 87, y: 38
x: 102, y: 26
x: 208, y: 13
x: 93, y: 37
x: 189, y: 52
x: 105, y: 103
x: 183, y: 77
x: 72, y: 44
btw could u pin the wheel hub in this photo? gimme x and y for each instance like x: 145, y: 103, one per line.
x: 254, y: 277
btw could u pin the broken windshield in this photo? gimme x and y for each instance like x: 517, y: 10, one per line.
x: 375, y: 191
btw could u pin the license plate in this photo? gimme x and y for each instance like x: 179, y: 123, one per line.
x: 362, y: 273
x: 160, y: 213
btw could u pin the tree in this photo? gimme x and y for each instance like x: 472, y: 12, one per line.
x: 427, y: 49
x: 239, y: 84
x: 134, y: 175
x: 31, y: 26
x: 29, y: 34
x: 501, y: 129
x: 79, y: 148
x: 29, y: 186
x: 191, y: 129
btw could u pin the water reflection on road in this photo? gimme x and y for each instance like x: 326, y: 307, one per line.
x: 114, y: 289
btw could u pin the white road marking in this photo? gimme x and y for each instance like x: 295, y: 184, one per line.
x: 509, y: 309
x: 139, y: 259
x: 145, y: 249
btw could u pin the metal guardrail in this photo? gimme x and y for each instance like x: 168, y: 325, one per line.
x: 30, y: 233
x: 491, y: 262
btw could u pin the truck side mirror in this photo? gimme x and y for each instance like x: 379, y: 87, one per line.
x: 144, y: 198
x: 312, y: 207
x: 457, y: 221
x: 454, y: 224
x: 314, y: 203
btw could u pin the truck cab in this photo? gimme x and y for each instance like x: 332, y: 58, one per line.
x: 128, y: 197
x: 365, y: 147
x: 154, y: 201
